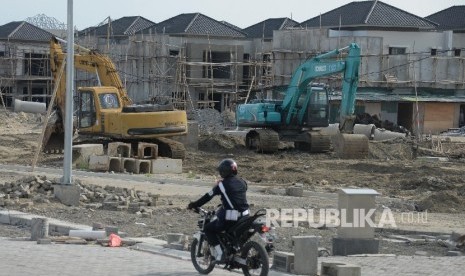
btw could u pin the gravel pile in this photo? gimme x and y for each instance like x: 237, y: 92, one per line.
x: 212, y: 121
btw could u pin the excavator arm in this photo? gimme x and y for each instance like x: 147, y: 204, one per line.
x: 85, y: 60
x: 88, y: 61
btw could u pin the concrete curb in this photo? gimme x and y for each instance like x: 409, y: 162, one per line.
x: 13, y: 217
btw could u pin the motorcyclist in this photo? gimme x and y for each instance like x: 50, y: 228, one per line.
x: 232, y: 190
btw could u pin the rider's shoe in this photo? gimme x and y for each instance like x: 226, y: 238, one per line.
x: 219, y: 256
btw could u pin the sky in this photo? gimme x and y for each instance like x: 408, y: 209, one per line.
x: 242, y: 13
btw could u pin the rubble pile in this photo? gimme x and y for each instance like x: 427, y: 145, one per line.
x: 15, y: 120
x: 212, y: 121
x: 38, y: 189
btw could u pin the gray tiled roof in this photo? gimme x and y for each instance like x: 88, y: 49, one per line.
x: 378, y: 97
x: 21, y: 30
x: 194, y: 24
x: 369, y: 14
x: 265, y: 28
x: 452, y: 18
x: 123, y: 26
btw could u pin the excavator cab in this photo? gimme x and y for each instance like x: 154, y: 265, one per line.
x: 313, y: 107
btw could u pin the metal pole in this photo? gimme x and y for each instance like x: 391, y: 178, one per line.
x: 67, y: 164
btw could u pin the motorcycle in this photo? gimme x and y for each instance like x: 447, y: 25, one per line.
x: 240, y: 251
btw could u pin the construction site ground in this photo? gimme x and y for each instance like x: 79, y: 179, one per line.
x: 407, y: 179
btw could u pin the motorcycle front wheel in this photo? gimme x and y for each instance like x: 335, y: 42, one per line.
x: 256, y: 258
x: 201, y: 257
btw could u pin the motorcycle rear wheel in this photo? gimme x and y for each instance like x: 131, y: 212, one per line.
x: 256, y: 259
x: 202, y: 262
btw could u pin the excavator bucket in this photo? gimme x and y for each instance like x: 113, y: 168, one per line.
x: 54, y: 136
x: 351, y: 146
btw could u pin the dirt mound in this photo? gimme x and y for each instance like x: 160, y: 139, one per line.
x: 19, y: 123
x: 220, y: 143
x: 429, y: 183
x: 442, y: 202
x: 398, y: 148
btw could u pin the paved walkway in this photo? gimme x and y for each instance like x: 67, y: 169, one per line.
x: 19, y: 258
x: 28, y: 258
x: 405, y: 265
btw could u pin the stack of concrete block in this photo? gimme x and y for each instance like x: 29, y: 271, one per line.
x: 119, y: 158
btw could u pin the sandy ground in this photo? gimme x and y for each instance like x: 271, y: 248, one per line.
x: 406, y: 184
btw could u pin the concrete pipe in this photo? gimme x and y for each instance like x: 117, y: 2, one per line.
x: 367, y: 130
x: 29, y: 107
x: 382, y: 134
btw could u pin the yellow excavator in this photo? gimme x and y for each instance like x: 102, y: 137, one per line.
x: 105, y: 113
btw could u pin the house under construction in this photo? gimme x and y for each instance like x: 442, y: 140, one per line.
x: 412, y: 71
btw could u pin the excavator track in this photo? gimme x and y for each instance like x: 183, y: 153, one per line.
x: 351, y: 146
x: 262, y: 140
x: 170, y: 148
x: 315, y: 142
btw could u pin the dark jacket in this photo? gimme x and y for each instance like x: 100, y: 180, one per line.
x: 232, y: 187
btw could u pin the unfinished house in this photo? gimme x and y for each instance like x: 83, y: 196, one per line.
x: 410, y: 72
x: 24, y: 63
x: 261, y: 35
x: 114, y: 38
x: 452, y: 22
x: 190, y: 60
x: 208, y: 59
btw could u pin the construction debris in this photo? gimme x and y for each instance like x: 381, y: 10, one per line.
x: 39, y: 189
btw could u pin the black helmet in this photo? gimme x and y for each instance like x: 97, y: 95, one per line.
x: 227, y: 167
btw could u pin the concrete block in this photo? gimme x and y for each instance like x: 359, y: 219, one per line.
x: 99, y: 163
x: 305, y: 255
x: 116, y: 164
x: 295, y: 191
x: 174, y: 238
x: 111, y: 230
x: 39, y: 228
x: 44, y: 241
x: 339, y: 269
x: 329, y: 268
x: 358, y: 201
x: 352, y: 246
x: 166, y: 165
x: 282, y: 261
x: 87, y: 234
x: 110, y: 205
x: 129, y: 165
x: 147, y: 150
x: 119, y: 149
x: 82, y: 153
x: 142, y: 166
x: 348, y: 270
x: 67, y: 194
